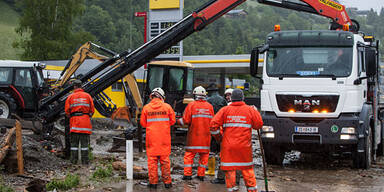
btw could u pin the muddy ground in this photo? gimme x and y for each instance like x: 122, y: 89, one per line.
x: 300, y: 172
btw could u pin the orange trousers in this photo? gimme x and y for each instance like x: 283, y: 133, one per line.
x: 165, y: 164
x: 188, y: 162
x: 248, y: 176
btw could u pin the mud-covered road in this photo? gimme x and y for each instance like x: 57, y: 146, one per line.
x: 300, y: 172
x: 303, y: 176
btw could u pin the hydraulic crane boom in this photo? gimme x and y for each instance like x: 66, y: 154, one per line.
x: 326, y: 8
x: 126, y: 63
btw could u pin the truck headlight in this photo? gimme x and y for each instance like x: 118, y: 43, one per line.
x: 347, y: 137
x: 348, y: 130
x: 267, y: 128
x: 268, y: 135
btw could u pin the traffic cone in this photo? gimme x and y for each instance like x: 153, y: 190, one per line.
x: 211, y: 166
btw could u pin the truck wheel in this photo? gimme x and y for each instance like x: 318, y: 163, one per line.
x: 274, y: 154
x: 7, y: 105
x: 363, y: 160
x: 380, y: 149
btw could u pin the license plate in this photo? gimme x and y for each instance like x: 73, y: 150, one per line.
x: 306, y: 129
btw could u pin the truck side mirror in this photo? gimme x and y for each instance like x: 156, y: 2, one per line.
x: 371, y: 61
x: 254, y: 63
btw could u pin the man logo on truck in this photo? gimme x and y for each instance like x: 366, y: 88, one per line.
x: 306, y: 102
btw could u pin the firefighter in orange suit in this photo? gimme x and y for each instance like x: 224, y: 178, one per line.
x: 197, y: 115
x: 157, y: 117
x: 237, y: 121
x: 79, y: 107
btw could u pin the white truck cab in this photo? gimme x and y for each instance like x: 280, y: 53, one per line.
x: 319, y: 94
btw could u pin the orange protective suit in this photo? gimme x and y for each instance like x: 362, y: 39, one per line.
x: 249, y: 179
x: 157, y: 117
x: 197, y: 115
x: 79, y: 106
x: 237, y: 121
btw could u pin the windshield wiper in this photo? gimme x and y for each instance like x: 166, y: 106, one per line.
x: 324, y: 75
x: 281, y: 76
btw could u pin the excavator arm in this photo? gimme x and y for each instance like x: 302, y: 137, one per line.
x: 327, y: 8
x: 78, y: 58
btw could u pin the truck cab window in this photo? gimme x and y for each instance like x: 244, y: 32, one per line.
x: 361, y: 60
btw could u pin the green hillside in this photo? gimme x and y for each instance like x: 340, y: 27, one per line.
x: 8, y: 23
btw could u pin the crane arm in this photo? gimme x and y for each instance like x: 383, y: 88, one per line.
x: 129, y: 62
x: 327, y: 8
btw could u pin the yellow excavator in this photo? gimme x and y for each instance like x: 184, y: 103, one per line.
x: 174, y: 77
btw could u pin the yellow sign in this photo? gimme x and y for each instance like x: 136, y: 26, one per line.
x: 164, y: 4
x: 332, y: 4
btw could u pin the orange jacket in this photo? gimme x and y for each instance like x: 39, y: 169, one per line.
x: 79, y: 106
x: 157, y: 117
x: 198, y: 115
x: 237, y: 121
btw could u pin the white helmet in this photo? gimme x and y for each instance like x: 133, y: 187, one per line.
x: 158, y: 92
x: 199, y: 91
x: 228, y: 91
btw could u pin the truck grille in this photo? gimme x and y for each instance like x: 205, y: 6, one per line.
x: 307, y: 104
x: 298, y: 138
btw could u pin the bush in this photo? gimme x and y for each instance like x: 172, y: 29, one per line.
x: 70, y: 181
x: 90, y: 153
x: 4, y: 188
x: 102, y: 173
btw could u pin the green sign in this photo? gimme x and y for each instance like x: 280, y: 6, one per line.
x: 334, y: 128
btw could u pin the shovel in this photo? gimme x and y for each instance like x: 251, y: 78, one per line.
x: 264, y: 166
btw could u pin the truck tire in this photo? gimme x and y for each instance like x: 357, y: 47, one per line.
x: 7, y: 105
x: 380, y: 149
x: 363, y: 160
x: 274, y: 154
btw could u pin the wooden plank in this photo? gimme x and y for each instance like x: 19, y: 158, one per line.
x: 19, y: 146
x: 7, y: 143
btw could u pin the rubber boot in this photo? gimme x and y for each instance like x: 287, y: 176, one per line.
x: 211, y: 166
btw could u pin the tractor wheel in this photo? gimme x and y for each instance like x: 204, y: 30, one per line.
x: 7, y: 105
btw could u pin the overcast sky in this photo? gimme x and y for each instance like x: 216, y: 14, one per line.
x: 364, y: 4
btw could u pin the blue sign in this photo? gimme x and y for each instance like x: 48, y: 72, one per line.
x: 308, y: 73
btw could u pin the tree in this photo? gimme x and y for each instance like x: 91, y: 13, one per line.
x: 49, y: 24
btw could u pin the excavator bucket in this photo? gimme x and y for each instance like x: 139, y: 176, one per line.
x: 122, y: 117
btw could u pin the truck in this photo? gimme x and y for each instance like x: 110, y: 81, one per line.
x: 320, y: 89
